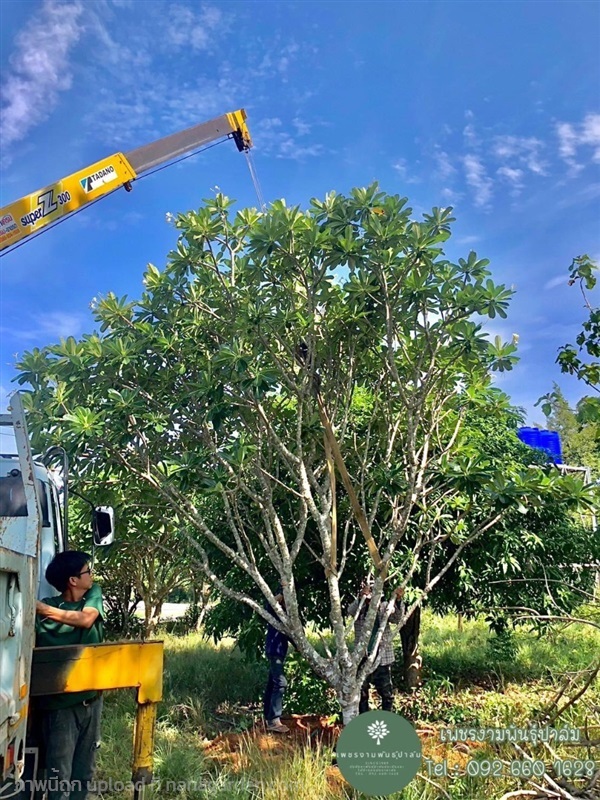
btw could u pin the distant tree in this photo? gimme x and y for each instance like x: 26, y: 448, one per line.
x: 149, y: 558
x: 297, y: 382
x: 582, y: 358
x: 579, y: 430
x: 530, y: 560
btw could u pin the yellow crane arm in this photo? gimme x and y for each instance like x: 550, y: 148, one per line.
x: 34, y: 211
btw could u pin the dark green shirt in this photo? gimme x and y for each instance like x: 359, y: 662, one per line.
x: 54, y: 634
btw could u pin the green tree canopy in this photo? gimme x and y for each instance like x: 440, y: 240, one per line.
x: 294, y: 385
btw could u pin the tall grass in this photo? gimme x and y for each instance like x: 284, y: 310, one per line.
x: 210, y: 689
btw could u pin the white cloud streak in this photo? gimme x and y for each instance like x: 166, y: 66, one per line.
x: 526, y: 151
x: 188, y: 28
x: 445, y: 168
x: 572, y: 137
x: 271, y: 138
x: 401, y: 167
x: 39, y: 70
x: 478, y: 180
x: 512, y: 176
x: 591, y: 134
x: 558, y: 280
x: 53, y: 325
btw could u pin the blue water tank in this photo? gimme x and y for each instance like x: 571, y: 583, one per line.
x: 552, y: 444
x: 530, y: 436
x: 548, y: 441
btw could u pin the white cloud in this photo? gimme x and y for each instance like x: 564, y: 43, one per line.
x: 401, y: 167
x: 60, y: 324
x: 288, y: 55
x: 572, y: 137
x: 584, y: 196
x: 558, y: 280
x: 271, y: 138
x: 567, y: 145
x: 478, y: 180
x: 451, y: 196
x: 39, y: 69
x: 189, y: 28
x: 278, y: 58
x: 289, y: 148
x: 558, y: 332
x: 468, y: 239
x: 567, y: 140
x: 471, y: 138
x: 591, y: 133
x: 53, y: 325
x: 445, y: 168
x: 512, y: 176
x: 302, y: 128
x: 149, y: 110
x: 526, y: 150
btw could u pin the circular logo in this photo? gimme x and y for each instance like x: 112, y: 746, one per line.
x: 379, y: 752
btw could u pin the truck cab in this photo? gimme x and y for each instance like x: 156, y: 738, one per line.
x: 31, y: 533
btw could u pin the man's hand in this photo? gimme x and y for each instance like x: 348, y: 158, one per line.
x: 41, y: 608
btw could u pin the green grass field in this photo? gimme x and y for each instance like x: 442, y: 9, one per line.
x: 468, y: 682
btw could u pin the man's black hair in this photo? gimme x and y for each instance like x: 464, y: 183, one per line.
x: 64, y: 566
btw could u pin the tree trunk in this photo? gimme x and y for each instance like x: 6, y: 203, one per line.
x: 409, y: 634
x: 348, y: 693
x: 349, y: 708
x: 151, y: 617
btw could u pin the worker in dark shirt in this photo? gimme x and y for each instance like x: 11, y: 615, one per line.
x: 70, y: 721
x: 276, y: 647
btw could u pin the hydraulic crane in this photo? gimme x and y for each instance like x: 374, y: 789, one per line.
x: 47, y: 206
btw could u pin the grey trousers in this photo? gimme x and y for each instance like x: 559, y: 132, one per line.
x: 72, y: 738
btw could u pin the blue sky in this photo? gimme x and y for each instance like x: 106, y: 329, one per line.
x: 492, y: 107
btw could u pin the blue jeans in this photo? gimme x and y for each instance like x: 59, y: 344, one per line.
x: 72, y: 737
x: 276, y: 684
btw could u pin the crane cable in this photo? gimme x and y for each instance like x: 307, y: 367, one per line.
x: 255, y: 181
x: 141, y: 177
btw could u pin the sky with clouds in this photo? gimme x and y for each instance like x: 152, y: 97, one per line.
x: 491, y: 107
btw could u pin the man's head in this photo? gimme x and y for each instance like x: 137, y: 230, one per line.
x: 279, y: 595
x: 366, y: 588
x: 70, y: 569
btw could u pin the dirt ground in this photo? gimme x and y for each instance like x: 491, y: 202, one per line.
x: 313, y: 730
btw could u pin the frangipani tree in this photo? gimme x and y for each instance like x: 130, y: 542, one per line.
x: 291, y: 383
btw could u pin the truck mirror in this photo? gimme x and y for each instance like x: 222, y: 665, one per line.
x: 103, y: 526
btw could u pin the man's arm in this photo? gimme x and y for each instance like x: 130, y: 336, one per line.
x: 77, y: 619
x: 397, y: 598
x: 353, y: 607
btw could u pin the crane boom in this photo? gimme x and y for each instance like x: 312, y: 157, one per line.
x: 62, y: 198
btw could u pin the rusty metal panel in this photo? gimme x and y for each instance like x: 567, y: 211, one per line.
x: 78, y: 668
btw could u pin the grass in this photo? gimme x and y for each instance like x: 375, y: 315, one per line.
x: 211, y: 689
